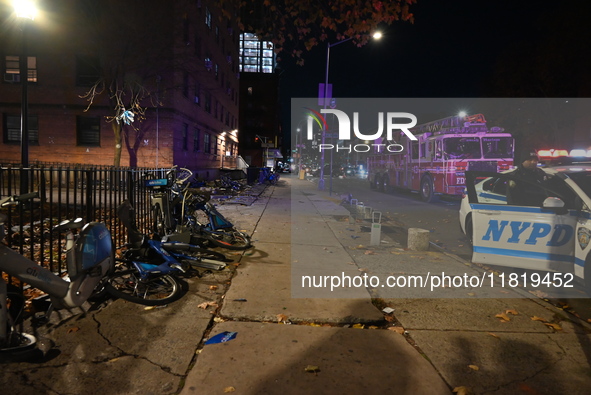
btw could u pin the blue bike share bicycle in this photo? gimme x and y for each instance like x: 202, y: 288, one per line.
x: 89, y: 258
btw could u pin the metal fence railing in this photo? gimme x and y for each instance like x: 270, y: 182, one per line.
x: 67, y: 192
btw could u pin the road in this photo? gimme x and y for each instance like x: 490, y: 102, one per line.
x: 406, y: 210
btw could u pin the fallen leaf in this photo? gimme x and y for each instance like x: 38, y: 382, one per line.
x: 281, y: 318
x: 389, y: 318
x: 369, y: 252
x: 514, y: 312
x: 397, y: 329
x: 73, y: 329
x: 358, y: 326
x: 314, y: 324
x: 206, y: 305
x: 213, y: 287
x: 229, y: 389
x: 493, y: 335
x: 556, y: 327
x: 149, y: 307
x: 504, y: 317
x: 312, y: 369
x: 536, y: 318
x: 463, y: 390
x: 218, y: 319
x: 474, y: 367
x: 373, y: 327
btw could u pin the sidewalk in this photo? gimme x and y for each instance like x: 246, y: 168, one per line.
x: 310, y: 345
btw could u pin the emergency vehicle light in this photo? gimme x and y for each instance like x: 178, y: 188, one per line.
x: 580, y: 153
x: 552, y: 153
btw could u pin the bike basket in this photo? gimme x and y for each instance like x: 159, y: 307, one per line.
x: 157, y: 183
x: 93, y: 246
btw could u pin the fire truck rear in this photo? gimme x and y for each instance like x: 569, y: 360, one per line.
x: 436, y: 162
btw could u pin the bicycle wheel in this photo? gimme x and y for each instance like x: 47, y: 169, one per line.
x: 155, y: 291
x: 196, y: 252
x: 229, y: 239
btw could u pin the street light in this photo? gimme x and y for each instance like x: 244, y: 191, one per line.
x: 25, y: 10
x: 376, y: 36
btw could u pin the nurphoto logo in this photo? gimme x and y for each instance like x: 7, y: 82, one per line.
x: 391, y: 120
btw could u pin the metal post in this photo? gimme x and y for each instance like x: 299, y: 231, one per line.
x: 321, y: 180
x: 24, y: 74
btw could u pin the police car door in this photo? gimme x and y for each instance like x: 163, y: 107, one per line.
x: 517, y: 235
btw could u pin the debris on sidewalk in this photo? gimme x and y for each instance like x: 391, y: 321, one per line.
x: 221, y: 337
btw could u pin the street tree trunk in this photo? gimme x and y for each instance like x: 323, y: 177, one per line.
x: 117, y: 132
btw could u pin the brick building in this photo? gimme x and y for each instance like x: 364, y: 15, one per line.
x: 179, y: 59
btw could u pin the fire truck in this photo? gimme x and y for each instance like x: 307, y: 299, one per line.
x: 436, y: 162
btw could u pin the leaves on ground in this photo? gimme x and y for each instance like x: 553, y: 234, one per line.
x: 397, y: 329
x: 312, y: 369
x: 474, y: 367
x: 282, y: 318
x: 514, y: 312
x: 503, y: 317
x: 206, y: 305
x: 229, y: 389
x: 358, y: 326
x: 556, y: 327
x: 493, y: 335
x: 536, y: 318
x: 73, y: 329
x: 462, y: 390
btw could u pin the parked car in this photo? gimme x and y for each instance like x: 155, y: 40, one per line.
x: 553, y: 237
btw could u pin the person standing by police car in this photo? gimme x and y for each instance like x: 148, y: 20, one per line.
x: 524, y: 190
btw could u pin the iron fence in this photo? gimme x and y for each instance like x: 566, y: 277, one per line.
x: 66, y: 192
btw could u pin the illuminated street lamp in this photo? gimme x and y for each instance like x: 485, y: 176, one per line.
x: 25, y: 10
x: 375, y: 36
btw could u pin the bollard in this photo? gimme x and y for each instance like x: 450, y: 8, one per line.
x: 353, y: 213
x: 360, y: 208
x: 418, y: 239
x: 376, y: 228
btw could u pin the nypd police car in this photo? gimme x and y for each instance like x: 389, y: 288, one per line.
x: 552, y: 236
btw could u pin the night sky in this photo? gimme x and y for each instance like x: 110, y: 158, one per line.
x: 454, y: 49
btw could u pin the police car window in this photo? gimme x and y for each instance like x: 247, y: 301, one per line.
x: 583, y: 180
x: 558, y: 188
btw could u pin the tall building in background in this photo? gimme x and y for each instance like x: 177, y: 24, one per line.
x: 181, y: 57
x: 259, y: 126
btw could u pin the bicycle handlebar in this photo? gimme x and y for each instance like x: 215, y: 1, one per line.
x: 18, y: 198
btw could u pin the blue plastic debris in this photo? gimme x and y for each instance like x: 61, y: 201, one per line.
x: 221, y: 337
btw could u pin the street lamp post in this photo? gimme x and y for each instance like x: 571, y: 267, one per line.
x: 25, y: 10
x: 376, y: 36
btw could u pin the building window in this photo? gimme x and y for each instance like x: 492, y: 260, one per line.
x: 196, y: 133
x: 256, y: 56
x: 207, y: 143
x: 87, y: 70
x: 185, y: 137
x: 12, y: 129
x: 12, y: 69
x: 197, y: 94
x: 88, y: 131
x: 208, y: 102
